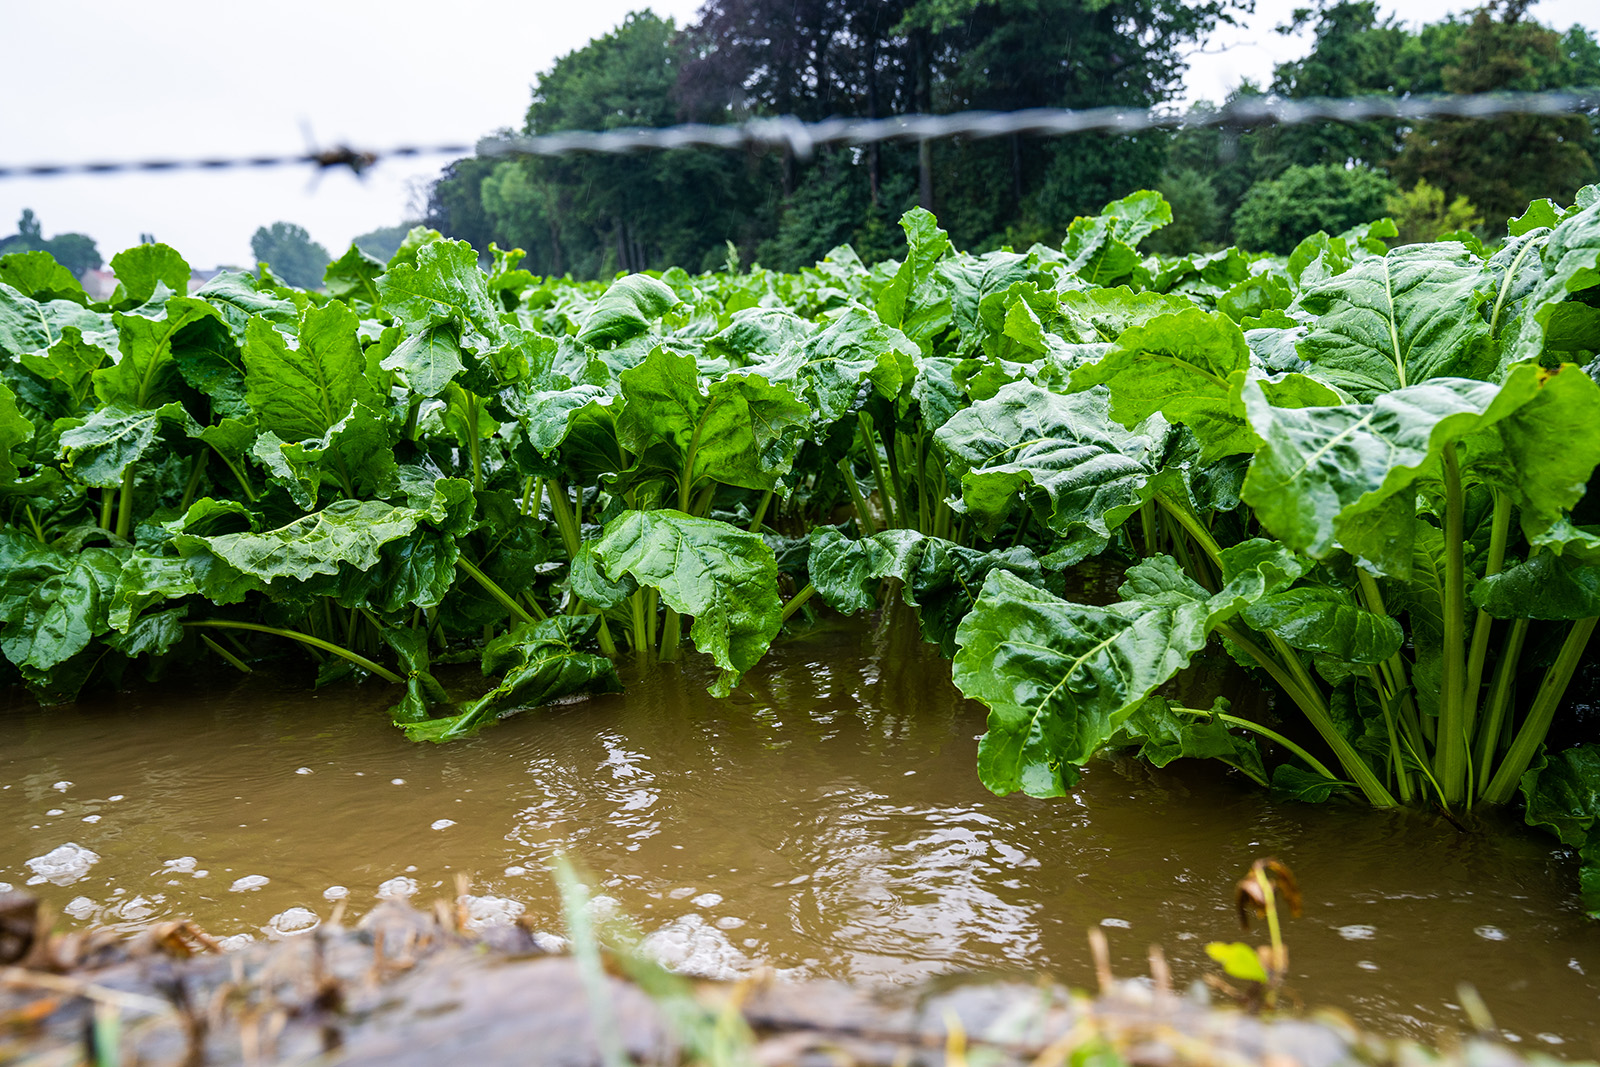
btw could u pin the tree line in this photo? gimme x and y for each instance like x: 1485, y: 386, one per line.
x: 591, y: 215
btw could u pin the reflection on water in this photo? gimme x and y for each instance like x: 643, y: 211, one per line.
x: 825, y: 821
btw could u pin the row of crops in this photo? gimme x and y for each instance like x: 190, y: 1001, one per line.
x: 1353, y: 469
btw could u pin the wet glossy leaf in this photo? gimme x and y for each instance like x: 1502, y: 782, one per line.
x: 142, y: 268
x: 299, y: 392
x: 347, y: 531
x: 115, y: 437
x: 1059, y: 678
x: 1562, y: 792
x: 1399, y: 320
x: 1061, y: 453
x: 539, y: 663
x: 940, y: 577
x: 1327, y: 620
x: 723, y: 576
x: 626, y: 310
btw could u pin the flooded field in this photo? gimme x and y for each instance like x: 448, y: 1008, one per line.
x: 825, y: 821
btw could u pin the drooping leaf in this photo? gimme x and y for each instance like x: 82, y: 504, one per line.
x: 114, y: 437
x: 1059, y: 678
x: 626, y: 310
x: 1328, y: 477
x: 723, y: 576
x: 1562, y: 792
x: 1546, y: 586
x: 539, y: 663
x: 1163, y: 735
x: 346, y: 531
x: 939, y: 577
x: 1326, y: 620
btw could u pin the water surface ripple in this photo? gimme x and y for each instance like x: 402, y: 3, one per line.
x: 825, y: 821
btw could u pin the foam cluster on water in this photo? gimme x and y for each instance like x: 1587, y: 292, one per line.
x: 62, y: 865
x: 487, y: 911
x: 691, y: 946
x: 291, y: 922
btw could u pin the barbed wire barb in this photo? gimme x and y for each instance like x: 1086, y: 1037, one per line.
x: 802, y: 139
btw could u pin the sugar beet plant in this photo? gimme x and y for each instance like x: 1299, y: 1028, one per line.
x: 1354, y: 470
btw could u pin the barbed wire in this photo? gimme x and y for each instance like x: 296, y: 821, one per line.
x: 803, y: 138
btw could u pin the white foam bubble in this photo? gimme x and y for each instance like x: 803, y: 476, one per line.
x: 181, y: 865
x: 1490, y: 933
x: 249, y: 883
x: 302, y: 770
x: 483, y: 912
x: 397, y: 888
x: 690, y: 946
x: 56, y: 811
x: 236, y: 942
x: 707, y: 900
x: 335, y: 892
x: 1358, y: 932
x: 62, y: 865
x: 442, y: 824
x: 62, y: 787
x: 81, y: 908
x: 513, y: 872
x: 291, y: 922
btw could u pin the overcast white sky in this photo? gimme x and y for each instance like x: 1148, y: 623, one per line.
x: 102, y: 80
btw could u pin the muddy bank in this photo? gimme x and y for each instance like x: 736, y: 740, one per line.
x: 405, y: 986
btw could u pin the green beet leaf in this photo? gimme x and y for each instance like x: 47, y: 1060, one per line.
x: 914, y: 301
x: 15, y: 430
x: 1090, y: 473
x: 346, y: 531
x: 539, y: 662
x: 1399, y: 320
x: 1060, y: 678
x: 146, y: 375
x: 741, y: 431
x: 299, y: 392
x: 939, y: 577
x: 626, y: 310
x: 64, y: 612
x: 1328, y: 621
x: 28, y: 325
x: 114, y: 437
x: 1562, y: 792
x: 142, y: 268
x: 1330, y: 477
x: 1547, y: 586
x: 1163, y: 735
x: 38, y: 276
x: 1188, y: 366
x: 723, y: 576
x: 443, y: 284
x: 1571, y: 264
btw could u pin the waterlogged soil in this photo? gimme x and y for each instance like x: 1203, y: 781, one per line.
x: 825, y: 822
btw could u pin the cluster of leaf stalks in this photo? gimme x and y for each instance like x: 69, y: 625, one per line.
x: 1353, y: 470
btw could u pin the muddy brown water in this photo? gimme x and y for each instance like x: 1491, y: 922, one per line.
x: 826, y: 821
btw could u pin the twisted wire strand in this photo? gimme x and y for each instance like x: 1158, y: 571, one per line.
x: 803, y: 138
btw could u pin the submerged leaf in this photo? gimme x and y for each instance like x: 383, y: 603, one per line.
x: 539, y: 662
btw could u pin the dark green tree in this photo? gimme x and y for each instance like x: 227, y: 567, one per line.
x: 1278, y: 213
x: 382, y: 242
x: 291, y: 253
x: 1501, y: 164
x: 74, y: 251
